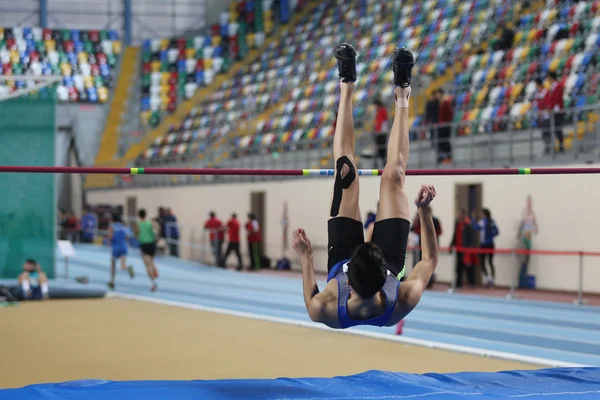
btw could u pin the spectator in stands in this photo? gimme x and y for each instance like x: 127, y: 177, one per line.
x: 233, y: 241
x: 380, y: 132
x: 172, y: 231
x: 446, y: 116
x: 72, y: 225
x: 556, y: 104
x: 527, y: 228
x: 543, y: 109
x: 33, y: 281
x: 488, y: 230
x: 89, y: 225
x: 507, y: 37
x: 432, y: 115
x: 254, y: 239
x: 214, y: 226
x: 463, y: 238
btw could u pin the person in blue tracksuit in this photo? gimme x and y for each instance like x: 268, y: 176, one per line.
x: 488, y: 230
x: 118, y: 235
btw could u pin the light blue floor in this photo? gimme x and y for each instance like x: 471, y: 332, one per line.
x: 555, y: 331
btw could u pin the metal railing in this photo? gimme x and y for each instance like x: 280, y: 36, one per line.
x: 496, y: 142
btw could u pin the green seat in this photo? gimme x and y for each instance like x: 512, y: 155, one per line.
x: 533, y: 50
x: 200, y: 53
x: 146, y: 80
x: 40, y: 46
x: 65, y: 34
x: 146, y: 56
x: 88, y: 47
x: 112, y: 60
x: 103, y: 35
x: 561, y: 63
x: 189, y: 43
x: 154, y: 119
x: 62, y: 57
x: 164, y: 66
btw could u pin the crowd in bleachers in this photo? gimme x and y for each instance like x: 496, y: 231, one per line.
x: 85, y: 60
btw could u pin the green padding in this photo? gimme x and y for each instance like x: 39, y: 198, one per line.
x: 27, y: 204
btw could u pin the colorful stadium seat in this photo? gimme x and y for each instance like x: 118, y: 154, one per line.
x: 85, y: 59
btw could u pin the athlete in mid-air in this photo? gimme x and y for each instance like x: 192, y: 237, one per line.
x: 366, y: 283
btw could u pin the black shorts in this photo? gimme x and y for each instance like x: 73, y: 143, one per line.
x: 148, y: 249
x: 390, y: 235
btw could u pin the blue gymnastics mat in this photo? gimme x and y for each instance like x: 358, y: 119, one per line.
x: 548, y: 384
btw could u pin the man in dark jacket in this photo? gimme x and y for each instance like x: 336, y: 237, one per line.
x: 464, y: 237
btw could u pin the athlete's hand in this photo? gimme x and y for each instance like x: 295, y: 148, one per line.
x: 301, y: 243
x: 425, y: 196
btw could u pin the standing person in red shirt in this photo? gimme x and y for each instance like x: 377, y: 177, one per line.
x: 254, y: 238
x: 445, y: 131
x: 556, y: 104
x: 216, y: 234
x: 233, y: 243
x: 541, y: 102
x: 464, y: 237
x: 381, y: 127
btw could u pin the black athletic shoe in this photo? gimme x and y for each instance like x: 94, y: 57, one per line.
x: 403, y: 61
x: 346, y: 58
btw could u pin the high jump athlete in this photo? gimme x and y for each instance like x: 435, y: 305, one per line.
x: 366, y: 284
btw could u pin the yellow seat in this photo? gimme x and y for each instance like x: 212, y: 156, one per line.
x: 510, y: 71
x: 525, y: 108
x: 442, y: 37
x: 155, y: 66
x: 88, y: 82
x: 216, y: 41
x: 207, y: 63
x: 531, y: 35
x: 554, y: 64
x: 518, y: 36
x: 117, y: 46
x: 524, y: 53
x: 65, y: 68
x: 481, y: 96
x: 164, y: 78
x: 50, y: 45
x: 517, y: 89
x: 146, y: 116
x: 552, y: 15
x: 418, y: 31
x: 14, y: 57
x: 190, y: 53
x: 473, y: 114
x: 82, y: 57
x: 102, y: 94
x: 164, y: 44
x: 569, y: 45
x: 454, y: 23
x: 491, y: 74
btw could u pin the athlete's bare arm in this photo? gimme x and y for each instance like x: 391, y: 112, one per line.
x: 321, y: 306
x: 410, y: 291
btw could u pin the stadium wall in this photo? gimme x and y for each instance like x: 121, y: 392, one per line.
x: 566, y: 208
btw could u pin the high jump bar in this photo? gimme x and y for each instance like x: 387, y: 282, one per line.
x: 290, y: 172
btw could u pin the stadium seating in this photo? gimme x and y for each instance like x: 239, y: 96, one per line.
x: 173, y: 69
x: 442, y: 33
x: 279, y: 73
x: 85, y: 59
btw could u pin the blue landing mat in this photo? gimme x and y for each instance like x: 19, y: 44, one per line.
x: 549, y: 384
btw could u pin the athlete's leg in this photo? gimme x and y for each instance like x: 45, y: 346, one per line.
x: 392, y: 225
x: 113, y: 270
x: 393, y: 202
x: 344, y: 228
x: 344, y: 201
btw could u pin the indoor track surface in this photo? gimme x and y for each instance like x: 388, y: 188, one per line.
x: 171, y: 336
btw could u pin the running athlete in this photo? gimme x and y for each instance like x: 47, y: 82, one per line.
x: 146, y: 236
x: 117, y: 234
x: 366, y: 284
